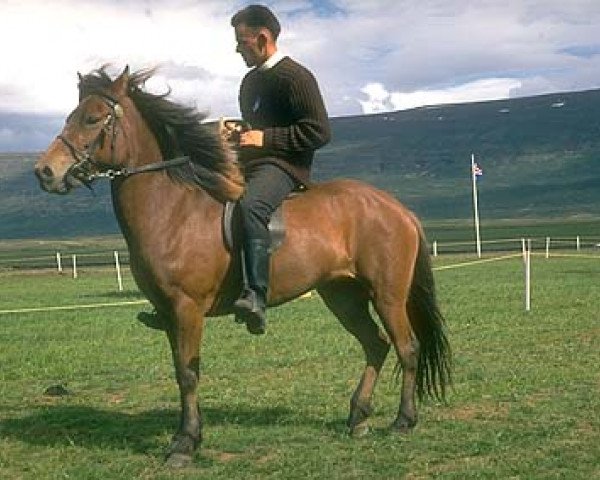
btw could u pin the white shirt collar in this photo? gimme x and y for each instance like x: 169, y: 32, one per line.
x: 271, y: 61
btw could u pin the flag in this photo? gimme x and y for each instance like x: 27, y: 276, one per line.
x: 477, y: 170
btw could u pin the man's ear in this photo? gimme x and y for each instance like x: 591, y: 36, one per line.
x: 261, y: 41
x: 263, y: 38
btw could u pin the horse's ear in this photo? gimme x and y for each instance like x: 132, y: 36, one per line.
x: 79, y: 84
x: 121, y: 84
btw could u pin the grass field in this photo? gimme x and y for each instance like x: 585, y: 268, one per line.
x: 525, y: 402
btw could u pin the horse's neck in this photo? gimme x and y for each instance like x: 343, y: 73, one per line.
x: 147, y: 199
x: 149, y: 206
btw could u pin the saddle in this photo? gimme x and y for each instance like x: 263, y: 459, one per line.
x: 231, y: 224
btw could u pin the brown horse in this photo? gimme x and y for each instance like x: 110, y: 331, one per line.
x: 354, y: 244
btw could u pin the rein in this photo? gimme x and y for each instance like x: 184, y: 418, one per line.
x: 151, y: 167
x: 84, y: 159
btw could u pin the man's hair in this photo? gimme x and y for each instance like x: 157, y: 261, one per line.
x: 257, y: 16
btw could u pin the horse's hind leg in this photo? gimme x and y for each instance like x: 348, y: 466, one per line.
x: 349, y: 301
x: 392, y: 309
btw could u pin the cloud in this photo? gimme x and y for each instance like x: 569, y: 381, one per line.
x: 380, y: 100
x: 63, y: 39
x: 367, y: 55
x: 434, y: 46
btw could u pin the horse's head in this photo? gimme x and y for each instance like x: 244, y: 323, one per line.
x: 92, y: 140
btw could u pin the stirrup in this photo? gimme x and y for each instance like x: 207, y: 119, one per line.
x: 248, y: 310
x: 255, y: 321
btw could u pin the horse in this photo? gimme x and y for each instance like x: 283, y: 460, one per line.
x: 171, y: 175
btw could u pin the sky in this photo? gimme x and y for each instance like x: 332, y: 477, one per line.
x: 368, y: 56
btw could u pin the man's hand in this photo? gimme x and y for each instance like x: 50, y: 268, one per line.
x: 252, y: 138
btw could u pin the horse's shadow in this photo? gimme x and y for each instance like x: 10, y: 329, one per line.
x: 90, y: 427
x: 130, y: 294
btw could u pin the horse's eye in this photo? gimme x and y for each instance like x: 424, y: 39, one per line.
x: 90, y: 120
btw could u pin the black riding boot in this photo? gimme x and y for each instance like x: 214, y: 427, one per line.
x: 250, y: 307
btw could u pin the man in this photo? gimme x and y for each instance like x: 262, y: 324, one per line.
x: 281, y: 101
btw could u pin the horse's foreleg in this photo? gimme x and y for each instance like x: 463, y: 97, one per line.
x: 185, y: 333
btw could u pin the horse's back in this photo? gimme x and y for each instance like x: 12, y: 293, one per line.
x: 349, y: 201
x: 357, y: 189
x: 343, y: 228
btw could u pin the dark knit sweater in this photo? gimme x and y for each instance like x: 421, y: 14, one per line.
x: 286, y: 104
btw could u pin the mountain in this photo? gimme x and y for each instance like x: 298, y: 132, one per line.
x: 538, y: 154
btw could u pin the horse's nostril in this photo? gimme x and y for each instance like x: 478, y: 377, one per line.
x: 47, y: 172
x: 44, y: 173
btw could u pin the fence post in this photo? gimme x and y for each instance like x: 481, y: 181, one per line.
x: 435, y: 250
x: 528, y: 277
x: 547, y: 247
x: 74, y: 266
x: 578, y: 243
x: 118, y: 267
x: 59, y: 263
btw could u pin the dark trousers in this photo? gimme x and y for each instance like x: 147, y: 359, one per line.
x: 267, y: 185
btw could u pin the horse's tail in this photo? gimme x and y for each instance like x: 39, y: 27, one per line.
x: 428, y: 323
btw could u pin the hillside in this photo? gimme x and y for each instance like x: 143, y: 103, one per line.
x: 538, y: 155
x: 538, y: 159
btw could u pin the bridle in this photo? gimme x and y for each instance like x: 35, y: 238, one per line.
x: 86, y: 168
x: 84, y: 159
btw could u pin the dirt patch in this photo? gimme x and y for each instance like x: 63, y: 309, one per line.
x: 222, y: 456
x: 486, y: 411
x: 226, y: 457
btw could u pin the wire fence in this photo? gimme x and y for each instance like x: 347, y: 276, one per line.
x: 546, y: 244
x: 75, y: 261
x: 65, y: 260
x: 81, y: 263
x: 62, y: 260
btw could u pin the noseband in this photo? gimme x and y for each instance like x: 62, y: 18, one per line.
x: 84, y: 159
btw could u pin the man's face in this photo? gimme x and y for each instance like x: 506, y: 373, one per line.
x: 248, y: 45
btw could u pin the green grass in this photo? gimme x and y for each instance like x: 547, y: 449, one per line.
x: 525, y: 402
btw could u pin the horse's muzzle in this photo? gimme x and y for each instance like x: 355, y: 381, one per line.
x: 51, y: 183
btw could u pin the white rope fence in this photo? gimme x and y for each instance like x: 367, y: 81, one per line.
x: 142, y: 302
x: 525, y: 247
x: 73, y: 307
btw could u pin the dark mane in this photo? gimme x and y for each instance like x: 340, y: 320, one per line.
x: 179, y: 131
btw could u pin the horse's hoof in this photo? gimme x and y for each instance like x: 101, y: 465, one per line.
x: 181, y: 451
x: 178, y: 460
x: 403, y: 426
x: 360, y: 430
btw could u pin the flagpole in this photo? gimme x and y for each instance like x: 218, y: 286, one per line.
x: 475, y: 206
